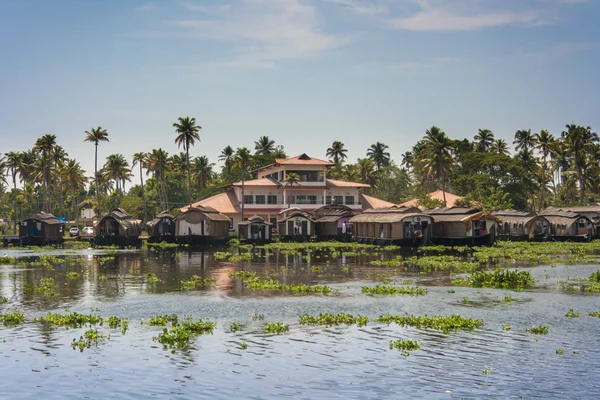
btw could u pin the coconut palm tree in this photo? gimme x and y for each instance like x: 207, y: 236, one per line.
x: 291, y: 179
x: 74, y: 178
x: 484, y: 139
x: 242, y: 159
x: 202, y: 171
x: 500, y: 147
x: 437, y: 155
x: 117, y: 169
x: 579, y: 141
x: 96, y: 135
x: 524, y: 139
x: 13, y: 160
x: 264, y: 146
x: 545, y: 143
x: 352, y: 172
x: 378, y: 154
x: 187, y: 134
x: 366, y: 169
x: 26, y: 166
x: 337, y: 152
x: 407, y: 160
x: 227, y: 156
x: 140, y: 159
x: 45, y: 146
x: 157, y: 163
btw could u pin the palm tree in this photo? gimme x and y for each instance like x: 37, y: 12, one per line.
x: 437, y: 155
x: 378, y: 154
x: 545, y: 144
x: 407, y: 160
x: 74, y: 178
x: 44, y: 146
x: 187, y: 131
x: 365, y: 168
x: 157, y: 162
x: 524, y: 140
x: 337, y: 152
x: 13, y: 160
x: 484, y: 139
x: 26, y: 166
x: 579, y: 141
x: 227, y: 156
x: 96, y: 135
x: 140, y: 159
x: 264, y: 146
x: 500, y: 147
x: 202, y: 171
x: 242, y: 158
x: 117, y: 169
x: 291, y: 179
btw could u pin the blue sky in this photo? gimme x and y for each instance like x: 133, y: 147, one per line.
x: 303, y: 72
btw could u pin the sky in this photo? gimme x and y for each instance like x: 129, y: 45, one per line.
x: 303, y: 72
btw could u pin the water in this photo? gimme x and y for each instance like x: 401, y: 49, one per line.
x: 307, y: 362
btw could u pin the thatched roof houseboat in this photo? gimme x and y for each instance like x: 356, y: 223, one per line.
x: 332, y: 221
x: 567, y: 225
x: 592, y: 212
x: 396, y: 224
x: 522, y: 225
x: 255, y: 230
x: 456, y: 225
x: 41, y: 229
x: 161, y: 228
x: 295, y: 224
x: 201, y: 225
x: 119, y: 228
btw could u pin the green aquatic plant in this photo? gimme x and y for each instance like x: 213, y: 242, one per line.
x: 258, y: 317
x: 235, y: 327
x: 162, y: 245
x: 244, y: 345
x: 72, y: 275
x: 196, y: 282
x: 7, y: 260
x: 393, y: 290
x: 451, y: 291
x: 85, y: 341
x: 179, y: 335
x: 446, y: 324
x: 115, y: 322
x: 331, y: 319
x: 152, y: 278
x: 595, y: 277
x: 538, y: 330
x: 254, y: 282
x: 501, y: 278
x: 506, y: 327
x: 593, y: 288
x: 46, y: 287
x: 3, y: 300
x: 594, y: 314
x: 572, y: 314
x: 405, y: 345
x: 29, y: 288
x: 162, y: 320
x: 71, y: 319
x: 560, y: 352
x: 278, y: 328
x: 12, y: 319
x: 486, y: 370
x: 221, y: 255
x: 508, y: 299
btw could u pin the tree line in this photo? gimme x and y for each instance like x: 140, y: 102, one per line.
x: 544, y: 170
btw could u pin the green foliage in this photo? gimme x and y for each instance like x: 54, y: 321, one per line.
x: 71, y: 319
x: 331, y: 320
x: 278, y: 328
x: 560, y: 352
x: 197, y: 282
x: 179, y: 335
x: 235, y: 327
x: 12, y: 319
x: 115, y: 322
x: 508, y: 299
x: 405, y: 345
x: 506, y: 327
x: 163, y: 320
x: 72, y: 275
x: 394, y: 290
x: 446, y: 324
x: 152, y: 278
x: 538, y: 330
x: 486, y: 370
x: 254, y: 282
x: 572, y: 314
x: 501, y: 278
x: 89, y: 337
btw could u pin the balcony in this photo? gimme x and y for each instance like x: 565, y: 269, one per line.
x: 304, y: 206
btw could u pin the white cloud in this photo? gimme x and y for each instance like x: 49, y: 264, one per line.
x: 262, y: 32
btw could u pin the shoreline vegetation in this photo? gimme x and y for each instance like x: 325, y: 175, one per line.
x: 543, y: 170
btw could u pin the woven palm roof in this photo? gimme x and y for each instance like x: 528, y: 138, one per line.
x: 48, y: 218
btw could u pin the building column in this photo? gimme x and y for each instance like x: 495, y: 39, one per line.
x: 284, y: 196
x: 324, y: 196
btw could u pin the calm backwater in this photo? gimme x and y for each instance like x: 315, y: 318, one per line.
x: 38, y: 361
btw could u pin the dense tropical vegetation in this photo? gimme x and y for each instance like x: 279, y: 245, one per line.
x: 544, y: 170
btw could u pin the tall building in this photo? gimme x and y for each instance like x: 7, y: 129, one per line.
x: 270, y: 193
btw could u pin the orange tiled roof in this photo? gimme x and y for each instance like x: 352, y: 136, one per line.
x: 336, y: 183
x: 437, y: 195
x: 302, y: 159
x: 225, y: 203
x: 373, y: 202
x: 257, y: 182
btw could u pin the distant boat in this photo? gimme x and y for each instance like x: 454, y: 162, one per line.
x: 201, y: 225
x: 41, y: 229
x: 161, y: 228
x: 119, y: 228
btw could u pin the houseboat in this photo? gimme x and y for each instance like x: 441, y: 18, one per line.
x: 41, y: 229
x: 332, y: 222
x: 255, y: 230
x: 401, y: 225
x: 455, y: 226
x: 201, y: 225
x: 161, y: 228
x: 522, y: 225
x: 591, y: 212
x: 295, y: 225
x: 569, y: 226
x: 119, y: 228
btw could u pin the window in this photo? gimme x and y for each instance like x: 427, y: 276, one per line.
x: 272, y: 199
x: 248, y: 199
x: 301, y: 199
x: 310, y: 176
x: 338, y: 199
x: 327, y: 199
x: 312, y: 199
x: 350, y: 200
x: 260, y: 199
